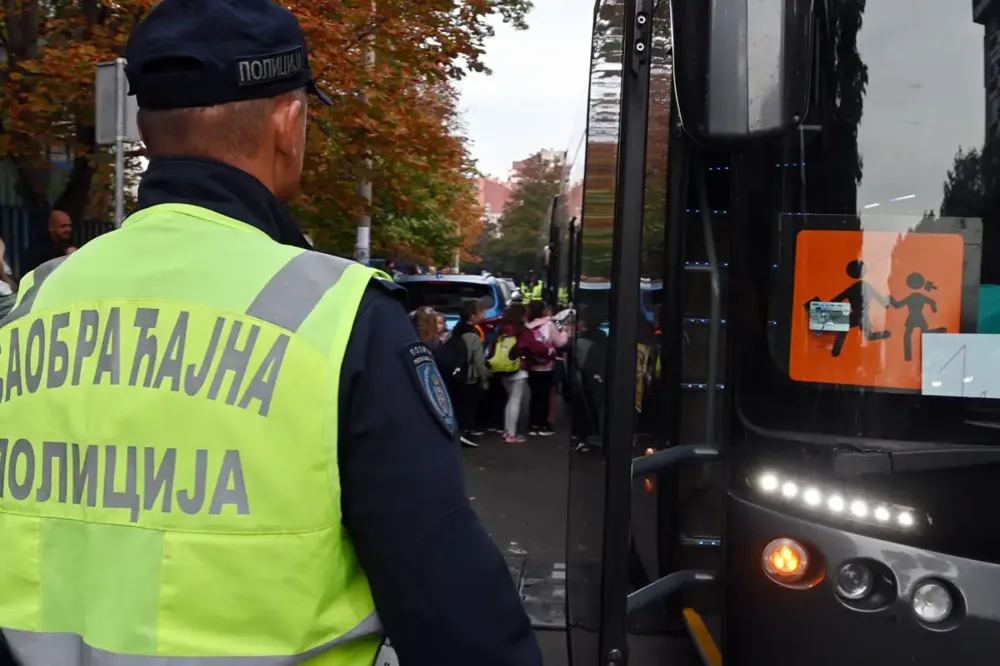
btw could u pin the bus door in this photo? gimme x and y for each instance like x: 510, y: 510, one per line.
x: 615, y: 563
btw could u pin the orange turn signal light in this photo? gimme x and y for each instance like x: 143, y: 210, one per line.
x: 785, y: 560
x: 647, y: 483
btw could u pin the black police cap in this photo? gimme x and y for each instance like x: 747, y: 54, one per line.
x: 196, y: 53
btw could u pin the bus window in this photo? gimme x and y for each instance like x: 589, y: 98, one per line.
x: 879, y: 211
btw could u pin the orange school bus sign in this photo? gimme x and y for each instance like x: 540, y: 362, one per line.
x: 894, y: 287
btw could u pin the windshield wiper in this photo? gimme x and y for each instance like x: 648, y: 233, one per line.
x: 909, y: 461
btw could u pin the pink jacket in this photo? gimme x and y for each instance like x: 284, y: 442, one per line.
x: 551, y: 335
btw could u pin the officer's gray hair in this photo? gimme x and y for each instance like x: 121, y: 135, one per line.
x: 222, y: 131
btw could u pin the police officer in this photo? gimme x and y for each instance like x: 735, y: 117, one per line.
x: 533, y: 289
x: 198, y: 459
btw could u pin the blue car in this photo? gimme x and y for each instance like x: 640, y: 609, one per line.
x: 445, y: 294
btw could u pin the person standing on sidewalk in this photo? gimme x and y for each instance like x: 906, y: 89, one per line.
x: 514, y: 348
x: 540, y: 370
x: 474, y: 379
x: 56, y: 243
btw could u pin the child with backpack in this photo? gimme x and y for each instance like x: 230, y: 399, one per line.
x: 470, y: 374
x: 541, y: 370
x: 510, y: 353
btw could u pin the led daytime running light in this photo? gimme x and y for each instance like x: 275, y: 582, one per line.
x: 835, y: 502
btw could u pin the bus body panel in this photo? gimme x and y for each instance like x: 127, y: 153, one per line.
x: 769, y: 624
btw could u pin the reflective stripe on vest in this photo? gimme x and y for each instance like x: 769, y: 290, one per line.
x: 31, y: 647
x: 297, y: 288
x: 150, y: 508
x: 27, y: 297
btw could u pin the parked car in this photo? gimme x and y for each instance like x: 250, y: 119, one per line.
x: 445, y: 294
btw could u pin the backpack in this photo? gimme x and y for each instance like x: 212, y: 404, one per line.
x: 540, y: 333
x: 540, y: 336
x: 454, y: 361
x: 505, y: 359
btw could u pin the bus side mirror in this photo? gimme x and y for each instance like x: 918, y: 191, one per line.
x: 742, y: 68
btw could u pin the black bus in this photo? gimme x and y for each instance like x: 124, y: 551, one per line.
x: 802, y: 471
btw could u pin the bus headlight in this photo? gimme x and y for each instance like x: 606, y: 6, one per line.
x: 932, y: 602
x: 865, y: 584
x: 854, y: 581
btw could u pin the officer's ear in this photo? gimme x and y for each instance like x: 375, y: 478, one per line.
x: 288, y: 121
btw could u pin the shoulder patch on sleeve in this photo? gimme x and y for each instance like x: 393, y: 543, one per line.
x: 430, y: 384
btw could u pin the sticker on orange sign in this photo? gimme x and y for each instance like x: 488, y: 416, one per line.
x: 898, y: 286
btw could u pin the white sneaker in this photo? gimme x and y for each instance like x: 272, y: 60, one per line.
x: 469, y: 443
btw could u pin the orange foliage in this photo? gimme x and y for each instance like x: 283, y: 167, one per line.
x: 401, y: 111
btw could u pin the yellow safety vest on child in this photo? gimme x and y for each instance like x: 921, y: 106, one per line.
x: 505, y: 358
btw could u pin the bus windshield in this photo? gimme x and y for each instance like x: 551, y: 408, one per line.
x: 879, y: 218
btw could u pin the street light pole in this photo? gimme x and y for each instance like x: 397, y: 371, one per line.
x: 120, y: 129
x: 362, y: 249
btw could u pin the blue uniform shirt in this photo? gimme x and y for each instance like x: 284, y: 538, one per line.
x: 441, y: 586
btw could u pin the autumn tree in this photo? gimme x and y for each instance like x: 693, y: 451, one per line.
x: 46, y: 89
x: 399, y: 112
x: 424, y: 202
x: 524, y: 224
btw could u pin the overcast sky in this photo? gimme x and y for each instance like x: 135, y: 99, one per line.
x: 537, y: 95
x: 924, y: 101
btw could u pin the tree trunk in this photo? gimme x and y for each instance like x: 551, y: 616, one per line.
x: 75, y: 195
x: 29, y: 153
x: 21, y: 42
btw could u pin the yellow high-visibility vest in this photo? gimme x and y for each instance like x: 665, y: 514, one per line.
x: 533, y: 293
x: 169, y: 485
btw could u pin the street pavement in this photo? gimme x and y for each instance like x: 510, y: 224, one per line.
x: 519, y: 492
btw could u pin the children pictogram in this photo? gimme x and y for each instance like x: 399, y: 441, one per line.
x: 915, y: 303
x: 857, y: 295
x: 888, y: 280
